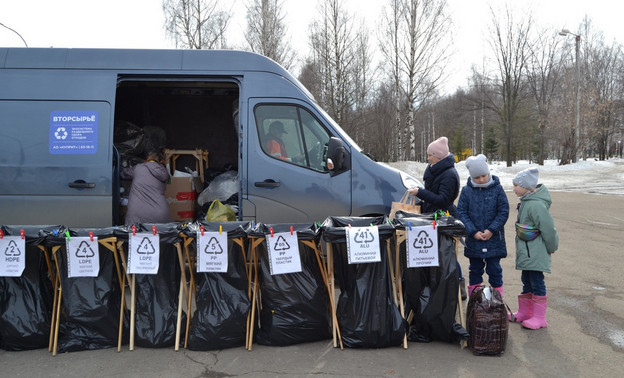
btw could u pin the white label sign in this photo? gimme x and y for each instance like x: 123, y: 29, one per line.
x: 363, y: 244
x: 422, y: 247
x: 83, y: 257
x: 13, y: 249
x: 283, y: 251
x: 212, y: 252
x: 143, y: 253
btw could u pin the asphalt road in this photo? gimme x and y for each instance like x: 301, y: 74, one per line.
x: 584, y: 337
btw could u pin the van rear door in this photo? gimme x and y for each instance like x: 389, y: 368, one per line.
x: 297, y: 187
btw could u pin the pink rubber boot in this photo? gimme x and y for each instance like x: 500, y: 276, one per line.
x: 538, y: 320
x: 525, y: 308
x: 472, y: 288
x: 500, y: 290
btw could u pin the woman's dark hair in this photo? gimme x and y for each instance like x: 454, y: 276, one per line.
x: 158, y: 153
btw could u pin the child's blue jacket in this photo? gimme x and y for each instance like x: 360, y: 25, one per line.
x: 481, y: 208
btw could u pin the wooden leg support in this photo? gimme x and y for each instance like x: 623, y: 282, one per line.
x: 460, y: 305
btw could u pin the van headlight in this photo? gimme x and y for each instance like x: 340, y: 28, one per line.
x: 409, y: 181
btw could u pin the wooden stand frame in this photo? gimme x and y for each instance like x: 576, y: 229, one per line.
x: 109, y: 243
x: 255, y: 293
x: 191, y: 292
x: 401, y: 237
x: 184, y: 291
x: 201, y: 157
x: 397, y: 290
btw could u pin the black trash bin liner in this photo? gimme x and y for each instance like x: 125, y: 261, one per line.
x: 366, y: 312
x: 222, y: 303
x: 90, y: 306
x: 156, y: 295
x: 431, y: 292
x: 26, y: 301
x: 295, y: 306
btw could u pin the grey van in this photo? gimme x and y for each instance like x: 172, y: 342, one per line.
x: 63, y: 124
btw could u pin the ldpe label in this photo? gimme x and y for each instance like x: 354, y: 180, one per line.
x: 83, y: 257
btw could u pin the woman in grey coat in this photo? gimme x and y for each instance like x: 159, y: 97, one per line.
x: 146, y: 201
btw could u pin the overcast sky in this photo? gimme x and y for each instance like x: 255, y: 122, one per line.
x: 139, y: 23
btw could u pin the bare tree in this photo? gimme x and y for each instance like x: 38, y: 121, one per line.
x: 339, y: 55
x: 510, y: 43
x: 416, y: 43
x: 389, y: 46
x: 602, y: 92
x: 543, y: 81
x: 196, y: 24
x: 266, y: 31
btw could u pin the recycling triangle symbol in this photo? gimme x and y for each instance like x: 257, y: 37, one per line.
x: 84, y: 250
x: 146, y: 247
x: 281, y: 244
x: 364, y: 236
x: 213, y: 247
x: 423, y: 240
x: 12, y: 249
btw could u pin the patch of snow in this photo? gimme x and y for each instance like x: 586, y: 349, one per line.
x: 589, y: 176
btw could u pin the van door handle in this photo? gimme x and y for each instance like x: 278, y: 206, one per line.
x: 82, y: 184
x: 268, y: 183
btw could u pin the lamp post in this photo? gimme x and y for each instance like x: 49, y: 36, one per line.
x: 577, y: 134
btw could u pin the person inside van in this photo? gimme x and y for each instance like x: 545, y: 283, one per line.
x: 146, y: 201
x: 274, y: 145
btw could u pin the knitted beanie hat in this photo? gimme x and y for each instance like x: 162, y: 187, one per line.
x: 477, y: 166
x: 439, y: 148
x: 527, y: 178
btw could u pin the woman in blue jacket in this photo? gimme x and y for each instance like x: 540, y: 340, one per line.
x: 484, y: 209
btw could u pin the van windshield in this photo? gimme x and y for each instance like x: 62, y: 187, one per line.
x: 339, y: 129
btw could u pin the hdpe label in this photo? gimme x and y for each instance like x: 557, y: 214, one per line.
x: 73, y: 132
x: 13, y: 249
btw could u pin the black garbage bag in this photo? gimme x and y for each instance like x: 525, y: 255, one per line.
x: 295, y: 306
x: 156, y: 295
x: 91, y: 306
x: 431, y: 292
x: 130, y: 139
x: 366, y: 312
x: 26, y: 301
x: 222, y: 303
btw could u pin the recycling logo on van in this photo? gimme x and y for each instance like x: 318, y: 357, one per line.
x: 60, y: 133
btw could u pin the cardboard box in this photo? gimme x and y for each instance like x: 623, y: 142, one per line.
x: 181, y: 198
x: 182, y: 211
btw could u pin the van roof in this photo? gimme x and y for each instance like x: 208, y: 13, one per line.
x: 72, y: 58
x: 222, y: 61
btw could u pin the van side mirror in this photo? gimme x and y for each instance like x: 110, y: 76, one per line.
x: 335, y: 154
